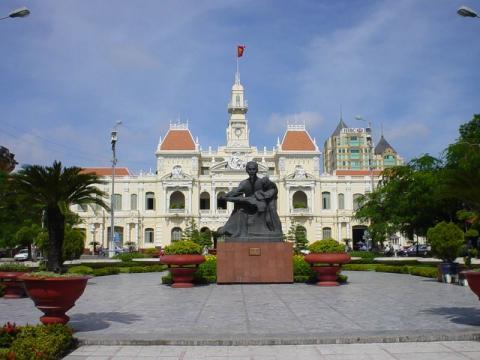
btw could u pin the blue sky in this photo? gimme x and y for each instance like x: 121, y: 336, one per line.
x: 73, y: 68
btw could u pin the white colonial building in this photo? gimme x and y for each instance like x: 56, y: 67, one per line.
x: 152, y: 209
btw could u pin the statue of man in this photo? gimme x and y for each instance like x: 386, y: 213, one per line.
x: 254, y: 217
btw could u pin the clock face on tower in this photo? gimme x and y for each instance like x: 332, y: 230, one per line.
x: 238, y: 132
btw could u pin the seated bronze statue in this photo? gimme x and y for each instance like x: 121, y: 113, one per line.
x: 254, y: 217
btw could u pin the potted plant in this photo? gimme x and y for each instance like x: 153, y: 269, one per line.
x: 9, y: 277
x: 446, y: 240
x: 473, y: 280
x: 326, y: 257
x: 54, y: 294
x: 182, y: 258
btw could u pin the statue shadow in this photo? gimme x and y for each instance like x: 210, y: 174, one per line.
x: 458, y: 315
x: 101, y: 320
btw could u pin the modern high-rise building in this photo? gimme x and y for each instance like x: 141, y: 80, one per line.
x: 352, y: 149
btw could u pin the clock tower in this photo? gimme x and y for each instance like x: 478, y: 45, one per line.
x: 237, y: 131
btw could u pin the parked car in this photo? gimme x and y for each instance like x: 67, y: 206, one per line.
x: 423, y: 250
x: 22, y: 255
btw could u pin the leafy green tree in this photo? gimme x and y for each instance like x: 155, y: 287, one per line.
x: 73, y: 243
x: 192, y: 233
x: 26, y: 236
x: 55, y: 188
x: 301, y: 241
x: 446, y: 240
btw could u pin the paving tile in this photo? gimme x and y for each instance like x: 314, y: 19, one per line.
x: 333, y: 349
x: 432, y: 356
x: 473, y: 355
x: 462, y: 345
x: 420, y: 347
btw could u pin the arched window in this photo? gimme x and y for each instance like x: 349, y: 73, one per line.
x: 82, y: 207
x: 326, y: 233
x: 300, y: 200
x: 341, y: 201
x: 204, y: 201
x: 117, y: 202
x: 149, y: 236
x: 177, y: 200
x: 149, y: 201
x: 356, y: 201
x: 133, y: 202
x: 176, y: 234
x: 221, y: 203
x: 325, y: 200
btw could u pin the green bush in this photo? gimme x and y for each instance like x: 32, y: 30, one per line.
x: 342, y: 279
x: 42, y: 342
x: 326, y: 246
x: 430, y: 272
x: 392, y: 269
x: 80, y: 269
x: 15, y: 267
x: 364, y: 254
x: 446, y: 240
x: 207, y: 271
x: 147, y: 268
x: 2, y: 290
x: 106, y: 271
x: 126, y: 257
x: 167, y: 279
x: 150, y: 252
x: 359, y: 267
x: 183, y: 247
x: 302, y: 271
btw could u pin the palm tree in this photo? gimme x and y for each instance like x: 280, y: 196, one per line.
x: 56, y: 188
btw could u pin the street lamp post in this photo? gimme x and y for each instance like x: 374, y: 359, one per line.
x: 111, y: 251
x: 467, y: 12
x: 370, y: 150
x: 17, y: 13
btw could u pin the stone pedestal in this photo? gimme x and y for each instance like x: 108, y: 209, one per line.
x: 254, y: 262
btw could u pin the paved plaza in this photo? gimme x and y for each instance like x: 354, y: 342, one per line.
x: 373, y: 308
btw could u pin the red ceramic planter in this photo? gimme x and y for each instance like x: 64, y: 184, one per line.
x: 13, y: 286
x: 327, y: 274
x: 54, y: 296
x: 473, y: 278
x: 180, y: 266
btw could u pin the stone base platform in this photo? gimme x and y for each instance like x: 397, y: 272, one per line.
x: 254, y: 262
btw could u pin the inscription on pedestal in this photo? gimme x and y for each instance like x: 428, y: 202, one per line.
x: 255, y: 252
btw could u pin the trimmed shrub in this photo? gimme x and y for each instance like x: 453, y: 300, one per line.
x: 364, y: 254
x: 80, y: 269
x: 302, y: 271
x: 106, y: 271
x: 359, y: 267
x: 446, y: 240
x: 392, y: 269
x: 429, y: 272
x: 150, y: 252
x: 184, y: 247
x: 342, y: 279
x: 326, y: 246
x: 167, y: 279
x: 207, y: 271
x: 15, y: 267
x: 127, y: 257
x: 2, y: 290
x: 147, y: 268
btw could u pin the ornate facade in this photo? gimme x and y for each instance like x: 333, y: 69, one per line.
x: 152, y: 209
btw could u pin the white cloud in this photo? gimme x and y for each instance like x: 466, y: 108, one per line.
x: 277, y: 123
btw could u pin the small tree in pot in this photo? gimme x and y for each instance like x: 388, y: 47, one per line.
x: 182, y: 258
x: 326, y: 257
x: 446, y: 240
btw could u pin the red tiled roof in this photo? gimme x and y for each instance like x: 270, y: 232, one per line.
x: 106, y: 171
x: 356, y: 172
x: 178, y: 140
x: 295, y: 140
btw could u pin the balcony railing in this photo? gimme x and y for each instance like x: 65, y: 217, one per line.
x: 176, y: 211
x: 300, y: 211
x: 222, y: 211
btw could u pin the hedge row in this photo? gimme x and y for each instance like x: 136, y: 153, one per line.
x: 113, y: 270
x: 425, y: 271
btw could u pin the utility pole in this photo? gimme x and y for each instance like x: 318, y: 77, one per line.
x: 111, y: 251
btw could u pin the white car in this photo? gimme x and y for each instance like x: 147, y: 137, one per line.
x: 22, y: 255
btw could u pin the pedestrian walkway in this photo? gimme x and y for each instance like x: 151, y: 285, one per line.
x: 136, y: 309
x: 447, y: 350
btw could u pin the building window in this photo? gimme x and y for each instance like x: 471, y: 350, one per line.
x: 82, y: 207
x: 117, y: 202
x: 356, y: 201
x: 221, y: 203
x: 204, y: 170
x: 341, y: 201
x: 326, y: 233
x: 133, y: 202
x: 205, y: 201
x: 177, y: 200
x: 176, y: 234
x: 149, y: 236
x: 300, y: 200
x: 149, y: 201
x: 325, y: 200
